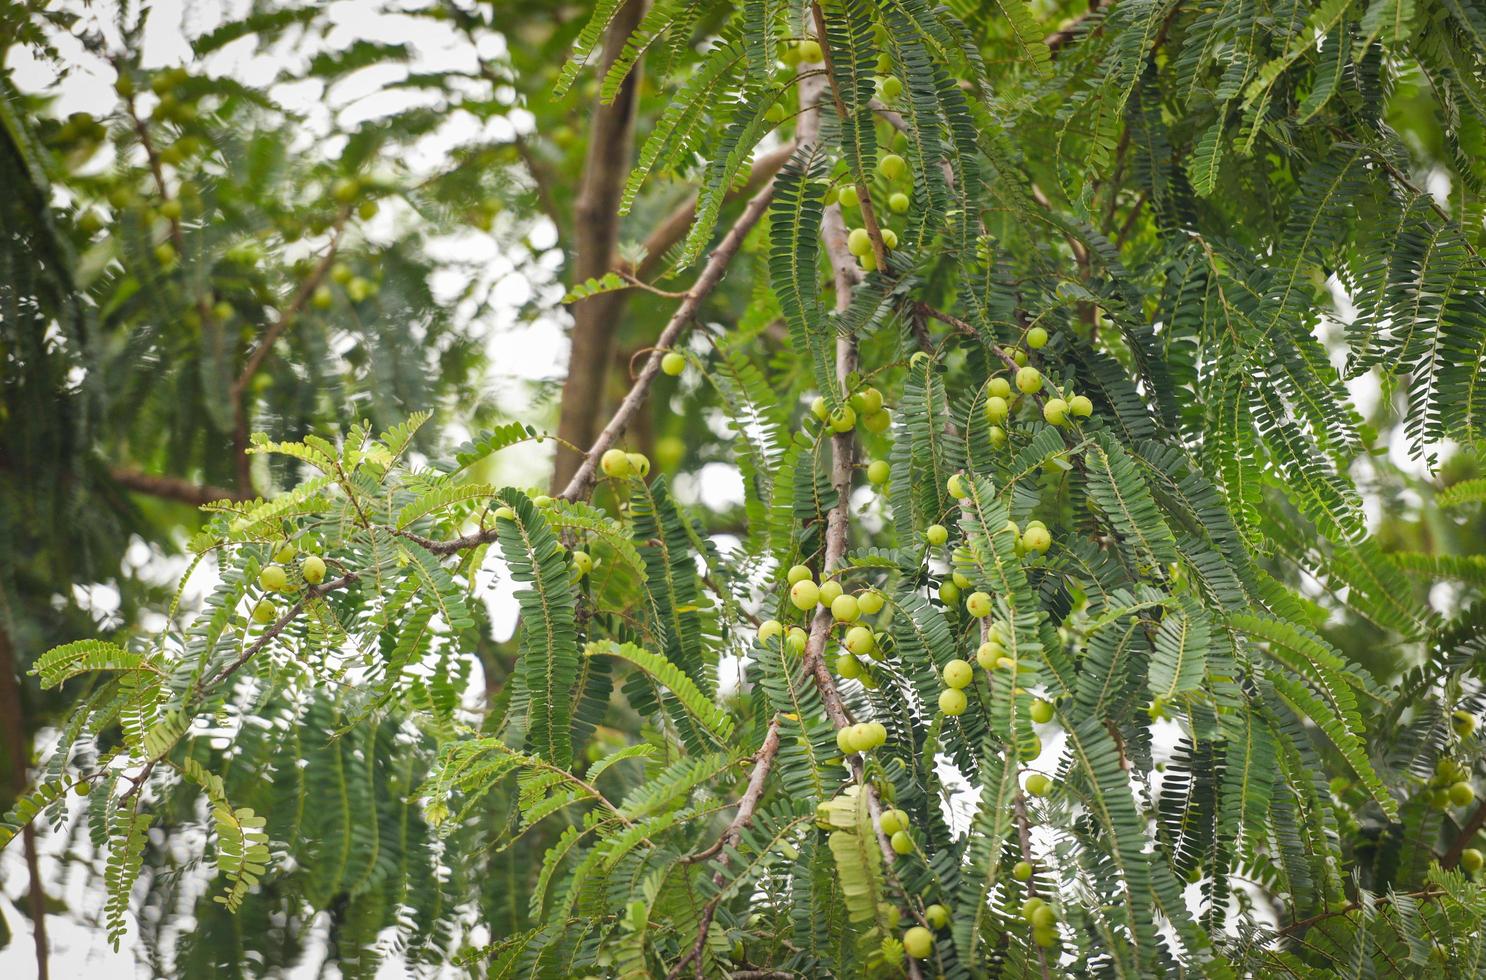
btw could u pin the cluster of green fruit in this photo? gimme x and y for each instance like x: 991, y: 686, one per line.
x: 865, y: 405
x: 620, y: 465
x: 1448, y: 787
x: 274, y: 577
x: 358, y: 288
x: 891, y: 168
x: 918, y: 941
x: 1043, y: 920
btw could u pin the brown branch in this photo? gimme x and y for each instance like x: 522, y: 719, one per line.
x: 1468, y: 830
x: 1024, y: 841
x: 1427, y: 894
x: 171, y: 487
x: 17, y: 742
x: 1060, y: 38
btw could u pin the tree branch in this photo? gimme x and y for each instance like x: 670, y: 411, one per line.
x: 1071, y: 29
x: 17, y: 741
x: 1468, y: 830
x: 171, y: 487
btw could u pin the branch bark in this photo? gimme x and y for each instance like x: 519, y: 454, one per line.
x: 171, y: 487
x: 17, y: 743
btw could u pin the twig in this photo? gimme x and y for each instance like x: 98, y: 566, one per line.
x: 171, y: 487
x: 1060, y: 38
x: 1024, y: 840
x: 1426, y: 894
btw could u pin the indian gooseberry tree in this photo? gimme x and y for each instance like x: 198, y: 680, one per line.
x: 1030, y: 685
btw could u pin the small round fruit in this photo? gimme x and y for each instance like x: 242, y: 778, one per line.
x: 960, y: 581
x: 1079, y: 406
x: 953, y: 701
x: 848, y: 197
x: 997, y: 409
x: 858, y: 242
x: 345, y: 189
x: 1041, y: 711
x: 1028, y: 380
x: 170, y: 210
x: 877, y: 423
x: 639, y: 464
x: 893, y: 821
x: 988, y: 653
x: 860, y: 737
x: 892, y: 166
x: 844, y: 609
x: 1038, y: 539
x: 1463, y: 723
x: 265, y: 612
x: 615, y: 463
x: 804, y: 594
x: 82, y: 788
x: 956, y: 487
x: 918, y: 942
x: 809, y: 52
x: 505, y: 514
x: 997, y: 436
x: 273, y: 578
x: 870, y: 602
x: 890, y: 86
x: 1029, y: 750
x: 848, y: 666
x: 798, y: 573
x: 844, y: 419
x: 889, y: 239
x: 313, y: 569
x: 859, y: 639
x: 583, y: 562
x: 1043, y: 917
x: 958, y: 674
x: 673, y: 363
x: 796, y: 639
x: 890, y: 915
x: 878, y: 732
x: 285, y: 554
x: 1045, y: 938
x: 878, y: 471
x: 818, y: 408
x: 843, y: 741
x: 1019, y: 357
x: 898, y: 202
x: 936, y: 534
x: 949, y: 593
x: 1039, y: 785
x: 937, y: 916
x: 902, y: 844
x: 1462, y: 794
x: 1471, y: 860
x: 1037, y: 338
x: 769, y: 629
x: 1055, y: 411
x: 367, y: 210
x: 164, y: 253
x: 867, y: 401
x: 322, y: 297
x: 830, y: 589
x: 999, y: 387
x: 1030, y: 906
x: 978, y: 605
x: 1022, y: 871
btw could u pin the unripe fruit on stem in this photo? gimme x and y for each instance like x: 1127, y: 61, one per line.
x: 1022, y: 871
x: 997, y: 409
x: 809, y: 52
x: 848, y: 197
x: 1031, y: 905
x: 877, y: 423
x: 952, y: 701
x: 273, y: 578
x: 893, y: 821
x: 1039, y: 785
x: 918, y: 942
x: 170, y: 210
x: 804, y: 594
x: 769, y: 629
x: 890, y: 915
x: 1461, y: 794
x: 878, y: 471
x: 902, y: 844
x: 1037, y: 338
x: 843, y: 741
x: 830, y: 590
x: 844, y: 419
x: 960, y: 581
x: 1043, y: 918
x: 1463, y: 723
x: 322, y: 297
x: 583, y: 562
x: 956, y: 487
x: 848, y: 666
x: 1019, y: 357
x: 1080, y: 407
x: 1038, y: 539
x: 978, y: 605
x: 988, y: 654
x: 818, y: 408
x: 797, y: 639
x: 265, y: 612
x: 937, y: 916
x: 936, y: 534
x: 1471, y: 860
x: 639, y: 464
x: 958, y: 674
x: 81, y: 788
x: 798, y: 573
x: 1028, y: 380
x: 892, y: 166
x: 859, y: 639
x: 1045, y: 938
x: 870, y: 602
x: 673, y: 363
x: 615, y: 463
x: 1030, y: 750
x: 890, y: 87
x: 898, y: 203
x: 1041, y: 712
x: 345, y: 190
x: 313, y: 569
x: 949, y: 593
x: 858, y: 242
x: 867, y: 401
x: 505, y: 514
x: 844, y: 609
x: 997, y: 436
x: 999, y: 387
x: 285, y: 554
x: 889, y: 239
x: 1055, y: 411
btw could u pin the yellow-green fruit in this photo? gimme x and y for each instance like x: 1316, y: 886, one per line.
x: 1030, y: 750
x: 1055, y: 411
x: 367, y: 210
x: 952, y: 701
x: 798, y: 573
x: 285, y: 554
x: 345, y: 190
x: 170, y: 210
x: 876, y: 733
x: 878, y: 471
x: 902, y: 844
x: 958, y: 674
x: 918, y: 942
x: 797, y: 639
x: 1461, y: 794
x: 818, y: 408
x: 264, y: 612
x: 889, y: 239
x: 870, y: 602
x: 769, y: 629
x: 1022, y: 871
x: 1039, y: 785
x: 890, y: 87
x: 1045, y: 938
x: 893, y: 821
x: 892, y: 166
x: 1038, y: 539
x: 949, y: 593
x: 884, y: 64
x: 615, y: 463
x: 956, y: 487
x: 322, y: 297
x: 978, y: 605
x: 997, y: 436
x: 1079, y: 406
x: 809, y: 52
x: 898, y: 202
x: 858, y: 242
x: 583, y: 562
x: 997, y: 409
x: 961, y: 582
x: 313, y: 569
x: 1043, y: 917
x: 843, y: 741
x: 273, y: 578
x: 82, y: 788
x: 844, y: 609
x: 830, y: 589
x: 804, y: 595
x: 775, y: 113
x: 1471, y: 860
x: 1019, y: 356
x: 877, y: 423
x: 988, y: 653
x: 867, y: 401
x: 848, y: 666
x: 890, y: 915
x: 1041, y: 711
x: 505, y: 514
x: 1030, y: 906
x: 164, y: 253
x: 936, y: 534
x: 868, y: 262
x: 1037, y: 338
x: 639, y: 464
x: 999, y: 387
x: 673, y: 363
x: 848, y: 197
x: 1028, y: 380
x: 844, y: 419
x: 937, y: 916
x: 1463, y: 723
x: 1006, y: 663
x: 859, y: 639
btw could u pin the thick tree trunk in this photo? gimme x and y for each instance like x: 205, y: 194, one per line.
x: 595, y: 235
x: 17, y: 745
